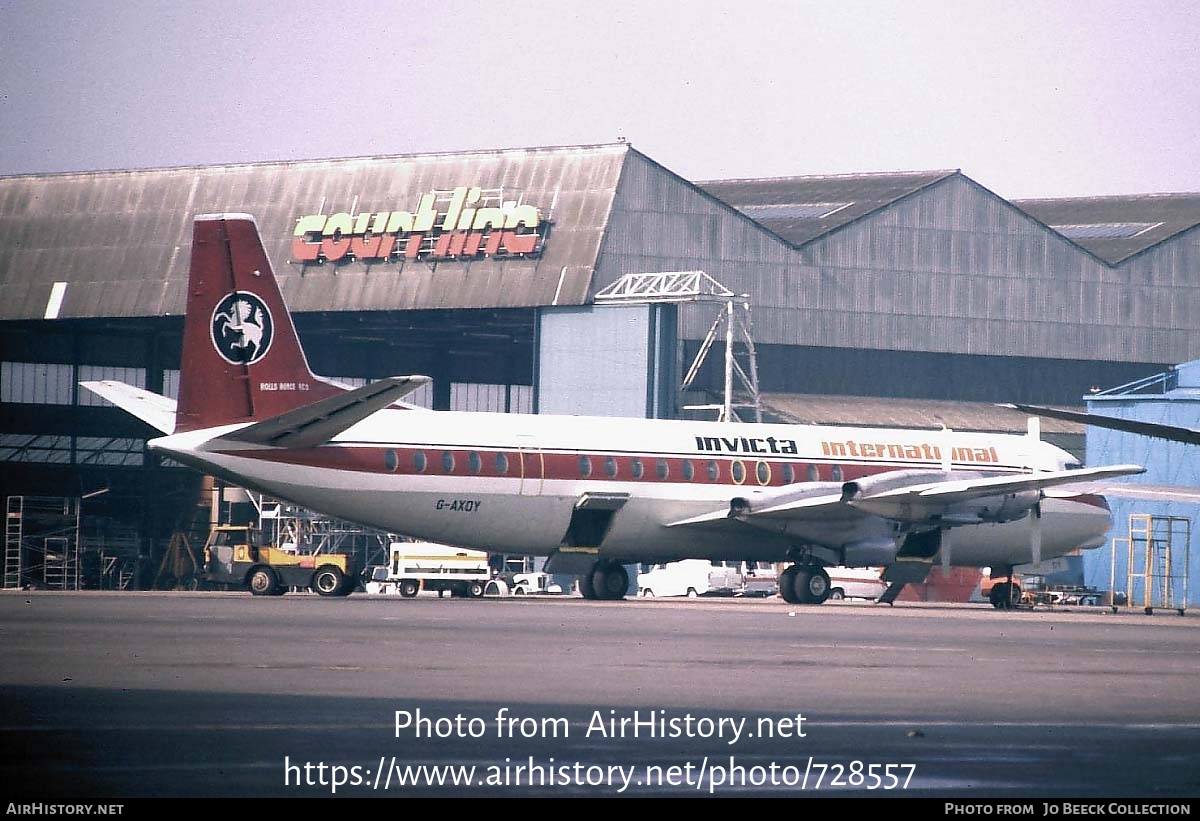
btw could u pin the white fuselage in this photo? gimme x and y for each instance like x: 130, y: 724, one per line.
x: 510, y: 483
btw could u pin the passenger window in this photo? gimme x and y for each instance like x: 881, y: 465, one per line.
x: 447, y: 461
x: 714, y: 472
x: 636, y: 468
x: 789, y: 473
x: 610, y: 467
x: 501, y: 464
x: 391, y: 461
x: 419, y: 461
x: 738, y: 471
x: 662, y: 470
x: 585, y: 466
x: 475, y: 462
x: 837, y: 473
x: 814, y: 475
x: 763, y: 473
x: 688, y: 470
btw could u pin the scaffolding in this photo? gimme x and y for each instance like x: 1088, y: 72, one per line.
x: 1157, y: 557
x: 41, y: 542
x: 732, y: 324
x: 299, y: 530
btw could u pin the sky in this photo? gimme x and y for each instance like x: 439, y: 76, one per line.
x: 1053, y: 98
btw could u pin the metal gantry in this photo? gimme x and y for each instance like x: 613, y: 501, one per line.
x: 732, y: 323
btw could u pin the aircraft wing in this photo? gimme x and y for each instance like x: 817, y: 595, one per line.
x: 902, y: 495
x: 1123, y: 490
x: 1173, y: 433
x: 315, y: 424
x: 155, y: 410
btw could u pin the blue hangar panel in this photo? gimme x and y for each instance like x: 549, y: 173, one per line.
x: 1167, y: 464
x: 608, y: 360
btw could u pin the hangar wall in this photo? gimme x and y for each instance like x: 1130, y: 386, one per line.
x: 1167, y: 464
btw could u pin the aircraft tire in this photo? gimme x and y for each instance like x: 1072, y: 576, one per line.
x: 610, y: 581
x: 787, y: 585
x: 586, y: 588
x: 816, y: 586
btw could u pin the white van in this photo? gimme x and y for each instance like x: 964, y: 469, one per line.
x: 856, y: 583
x: 689, y: 577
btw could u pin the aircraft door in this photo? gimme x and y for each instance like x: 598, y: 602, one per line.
x: 533, y: 466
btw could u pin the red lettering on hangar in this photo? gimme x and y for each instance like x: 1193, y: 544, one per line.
x: 457, y: 224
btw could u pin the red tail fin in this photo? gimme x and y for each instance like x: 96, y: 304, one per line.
x: 242, y: 360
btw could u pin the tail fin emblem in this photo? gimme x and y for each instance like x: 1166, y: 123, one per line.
x: 242, y: 328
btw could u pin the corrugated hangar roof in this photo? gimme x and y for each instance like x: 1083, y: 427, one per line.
x: 800, y: 209
x: 121, y: 240
x: 866, y: 411
x: 1117, y: 227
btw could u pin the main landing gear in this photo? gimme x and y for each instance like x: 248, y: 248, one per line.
x: 604, y: 581
x: 804, y: 584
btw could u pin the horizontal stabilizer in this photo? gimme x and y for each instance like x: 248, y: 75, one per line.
x: 312, y: 425
x: 155, y: 410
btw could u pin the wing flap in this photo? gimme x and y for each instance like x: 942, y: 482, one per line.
x: 315, y: 424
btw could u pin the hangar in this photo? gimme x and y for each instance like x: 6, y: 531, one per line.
x: 480, y: 269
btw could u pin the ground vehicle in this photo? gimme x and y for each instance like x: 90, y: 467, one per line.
x: 530, y: 583
x: 417, y: 566
x: 856, y: 583
x: 234, y: 556
x: 689, y: 577
x: 759, y: 579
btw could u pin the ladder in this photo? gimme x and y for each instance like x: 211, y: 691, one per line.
x: 12, y: 542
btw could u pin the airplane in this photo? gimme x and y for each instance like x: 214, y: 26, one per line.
x: 592, y: 494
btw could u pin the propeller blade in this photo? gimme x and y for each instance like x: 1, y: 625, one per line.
x: 1035, y: 534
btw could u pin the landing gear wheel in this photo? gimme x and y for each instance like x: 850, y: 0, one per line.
x: 328, y: 581
x: 647, y: 593
x: 836, y: 594
x: 1005, y: 596
x: 805, y: 584
x: 812, y: 585
x: 586, y: 588
x: 409, y: 588
x: 263, y: 582
x: 787, y: 585
x: 610, y: 582
x: 692, y: 594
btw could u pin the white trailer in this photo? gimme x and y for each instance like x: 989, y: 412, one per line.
x: 416, y: 566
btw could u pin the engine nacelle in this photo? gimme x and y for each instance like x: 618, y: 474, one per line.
x: 1006, y: 507
x: 869, y: 486
x: 870, y: 553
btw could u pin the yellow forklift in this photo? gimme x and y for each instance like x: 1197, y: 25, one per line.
x: 233, y: 556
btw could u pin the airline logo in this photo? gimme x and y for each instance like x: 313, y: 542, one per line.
x: 242, y: 328
x: 459, y: 224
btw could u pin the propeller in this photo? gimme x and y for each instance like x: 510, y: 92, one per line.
x: 1035, y: 533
